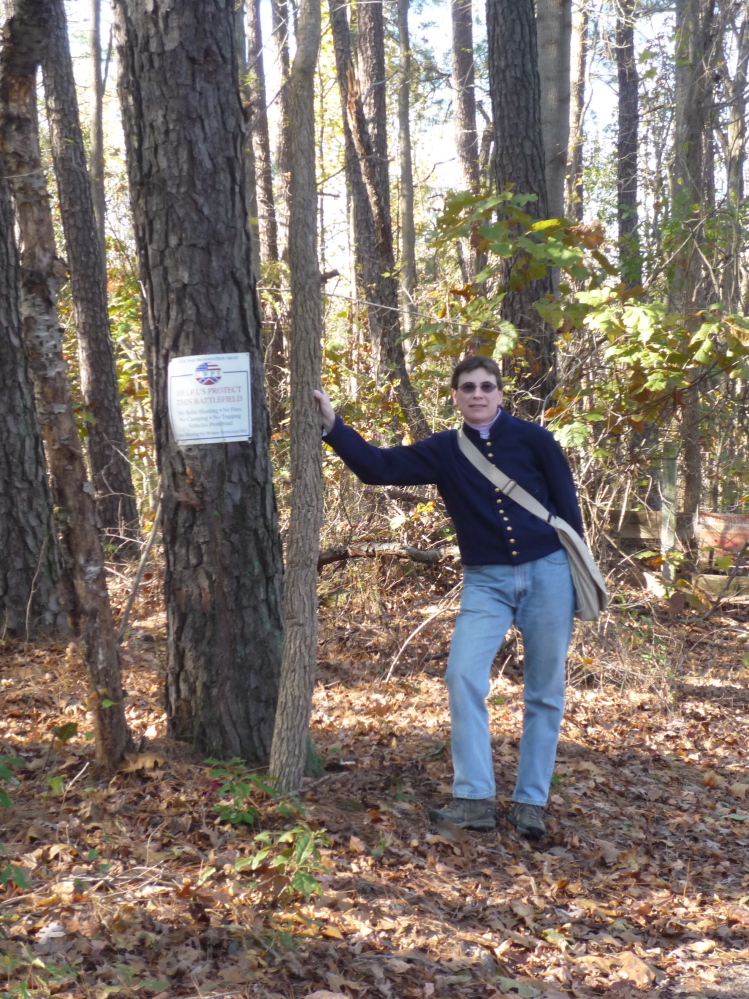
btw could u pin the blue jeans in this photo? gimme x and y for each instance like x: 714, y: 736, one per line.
x: 539, y: 597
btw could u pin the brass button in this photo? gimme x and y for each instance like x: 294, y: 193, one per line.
x: 489, y: 454
x: 497, y: 489
x: 514, y: 553
x: 508, y: 528
x: 512, y: 542
x: 506, y: 518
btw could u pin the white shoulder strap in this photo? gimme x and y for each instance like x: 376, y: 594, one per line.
x: 508, y: 486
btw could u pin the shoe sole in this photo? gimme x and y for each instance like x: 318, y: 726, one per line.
x: 532, y: 833
x: 487, y: 825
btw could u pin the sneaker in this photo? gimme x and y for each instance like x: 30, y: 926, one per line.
x: 527, y: 819
x: 467, y: 813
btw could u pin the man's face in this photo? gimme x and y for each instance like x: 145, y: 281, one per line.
x: 477, y: 396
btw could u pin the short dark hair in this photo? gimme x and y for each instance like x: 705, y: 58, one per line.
x: 472, y: 363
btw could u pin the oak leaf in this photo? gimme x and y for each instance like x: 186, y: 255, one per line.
x: 141, y: 761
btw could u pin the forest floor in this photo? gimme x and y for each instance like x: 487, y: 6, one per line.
x: 137, y: 886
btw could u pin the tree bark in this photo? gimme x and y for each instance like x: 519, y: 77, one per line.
x: 732, y: 139
x: 107, y: 447
x: 299, y: 666
x: 96, y: 152
x: 519, y: 161
x: 371, y: 152
x: 25, y: 35
x: 408, y: 232
x: 247, y: 96
x: 280, y: 26
x: 693, y: 73
x: 554, y: 28
x: 630, y: 261
x: 185, y: 139
x: 31, y: 599
x: 464, y: 94
x: 267, y: 226
x: 365, y: 245
x: 261, y: 137
x: 579, y: 59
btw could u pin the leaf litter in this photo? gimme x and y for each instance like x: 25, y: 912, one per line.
x: 137, y: 885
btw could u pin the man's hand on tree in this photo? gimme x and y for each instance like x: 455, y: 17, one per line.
x: 325, y: 406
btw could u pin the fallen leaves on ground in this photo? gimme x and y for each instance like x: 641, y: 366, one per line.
x: 135, y: 886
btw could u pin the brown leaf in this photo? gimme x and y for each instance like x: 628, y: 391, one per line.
x: 610, y: 850
x: 635, y: 969
x: 356, y: 845
x: 140, y: 761
x: 738, y: 790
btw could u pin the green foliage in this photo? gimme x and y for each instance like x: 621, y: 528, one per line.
x: 287, y: 861
x: 235, y: 782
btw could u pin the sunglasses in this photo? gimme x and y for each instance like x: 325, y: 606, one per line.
x: 468, y: 388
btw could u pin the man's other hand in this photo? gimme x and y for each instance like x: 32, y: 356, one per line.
x: 327, y: 413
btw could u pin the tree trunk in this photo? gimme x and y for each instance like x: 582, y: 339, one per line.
x: 630, y: 261
x: 732, y: 140
x: 466, y: 131
x: 185, y: 139
x: 107, y: 447
x: 408, y: 232
x: 31, y: 599
x: 371, y: 151
x: 41, y: 273
x: 464, y: 94
x: 554, y: 28
x: 299, y: 667
x: 693, y: 74
x: 261, y: 137
x: 519, y: 161
x: 365, y: 245
x: 579, y: 60
x: 273, y: 306
x: 247, y: 96
x: 280, y: 26
x: 96, y: 152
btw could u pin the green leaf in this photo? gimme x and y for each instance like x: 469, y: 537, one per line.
x: 106, y: 703
x: 205, y: 874
x: 724, y: 562
x: 66, y: 732
x: 304, y: 883
x: 57, y: 783
x: 155, y: 984
x: 524, y: 989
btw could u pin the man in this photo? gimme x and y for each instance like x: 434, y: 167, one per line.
x: 514, y: 570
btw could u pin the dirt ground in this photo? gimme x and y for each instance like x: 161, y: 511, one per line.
x: 137, y: 885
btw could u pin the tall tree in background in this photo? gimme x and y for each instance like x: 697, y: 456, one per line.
x: 579, y: 60
x: 627, y: 142
x: 185, y: 140
x: 365, y: 244
x: 554, y: 30
x: 30, y: 598
x: 96, y: 151
x: 693, y: 79
x: 464, y: 93
x: 520, y: 161
x: 24, y: 36
x: 731, y: 135
x: 464, y: 116
x: 281, y: 31
x: 408, y: 232
x: 369, y: 140
x: 107, y: 447
x: 267, y: 223
x: 290, y: 736
x: 247, y: 94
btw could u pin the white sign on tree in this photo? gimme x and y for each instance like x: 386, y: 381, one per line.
x: 209, y: 398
